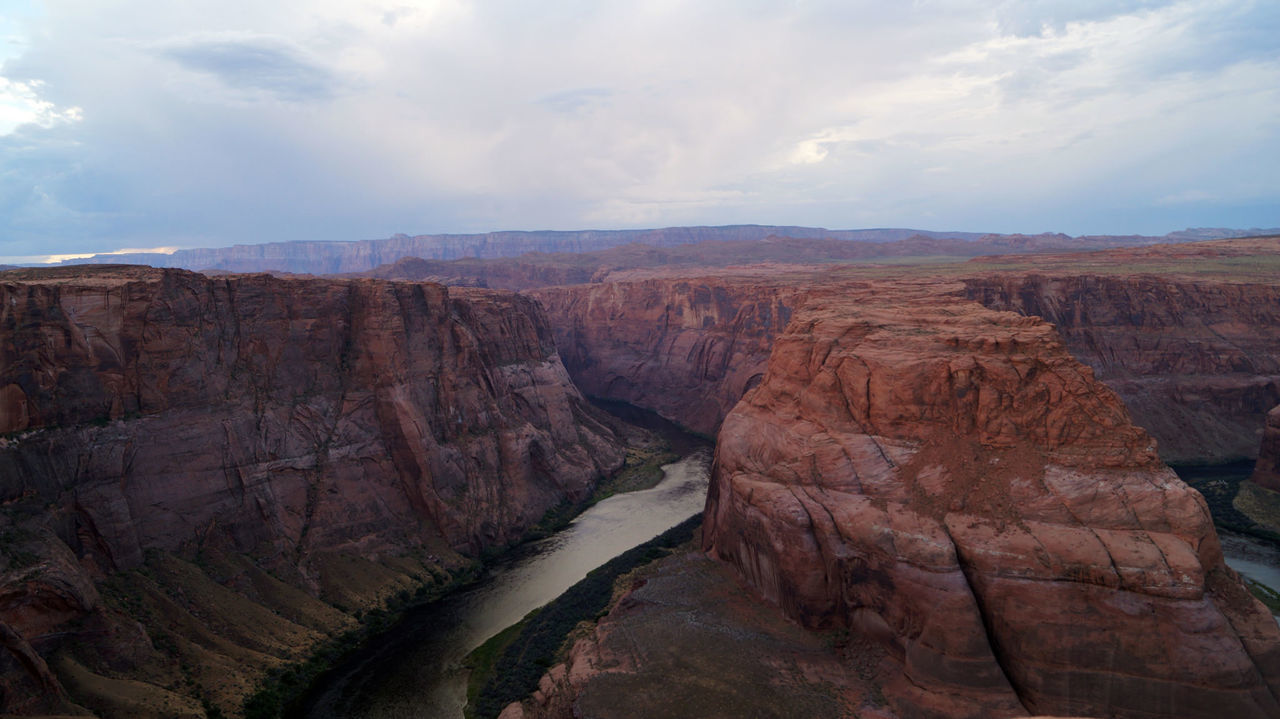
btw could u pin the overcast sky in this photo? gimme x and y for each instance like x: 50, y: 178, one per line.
x: 181, y: 124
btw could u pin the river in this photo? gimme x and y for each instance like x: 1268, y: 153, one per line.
x: 416, y: 670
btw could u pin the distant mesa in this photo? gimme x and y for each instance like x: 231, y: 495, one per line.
x: 363, y: 255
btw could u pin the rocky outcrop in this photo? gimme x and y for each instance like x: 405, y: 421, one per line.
x: 684, y: 640
x: 306, y: 424
x: 1266, y: 473
x: 1197, y: 362
x: 686, y: 348
x: 950, y: 481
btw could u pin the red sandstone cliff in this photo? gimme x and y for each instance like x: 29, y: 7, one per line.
x: 1266, y: 473
x: 948, y: 480
x: 294, y: 421
x: 1197, y: 362
x: 687, y: 348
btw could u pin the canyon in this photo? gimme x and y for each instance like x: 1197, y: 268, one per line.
x: 207, y: 476
x: 923, y: 466
x: 955, y: 470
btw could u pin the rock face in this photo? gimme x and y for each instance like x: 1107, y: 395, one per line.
x: 685, y: 348
x: 1197, y: 362
x: 307, y: 414
x: 685, y: 641
x: 1266, y: 473
x: 947, y: 479
x: 293, y: 421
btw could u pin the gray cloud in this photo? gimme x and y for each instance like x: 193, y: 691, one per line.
x: 574, y: 100
x: 255, y: 63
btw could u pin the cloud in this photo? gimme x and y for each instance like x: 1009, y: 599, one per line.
x: 212, y: 123
x: 254, y: 63
x: 21, y: 104
x: 574, y: 100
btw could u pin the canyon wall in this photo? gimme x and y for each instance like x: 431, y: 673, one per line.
x: 1266, y: 473
x: 1197, y: 362
x: 686, y: 348
x: 315, y: 427
x: 950, y: 481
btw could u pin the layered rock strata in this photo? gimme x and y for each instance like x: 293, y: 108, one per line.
x: 949, y: 480
x: 318, y: 427
x: 687, y: 348
x: 1266, y: 473
x: 1197, y: 362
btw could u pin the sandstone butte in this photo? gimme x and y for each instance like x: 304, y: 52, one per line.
x: 951, y: 479
x: 237, y: 449
x: 919, y: 468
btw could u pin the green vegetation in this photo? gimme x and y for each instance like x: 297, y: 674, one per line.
x: 285, y: 686
x: 1220, y: 485
x: 521, y: 661
x: 642, y: 470
x: 483, y: 660
x: 1269, y: 596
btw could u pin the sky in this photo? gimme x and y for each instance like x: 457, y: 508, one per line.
x: 153, y: 123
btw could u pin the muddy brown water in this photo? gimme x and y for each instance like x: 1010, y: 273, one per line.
x: 416, y: 670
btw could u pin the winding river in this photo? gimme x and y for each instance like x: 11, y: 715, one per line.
x: 416, y: 670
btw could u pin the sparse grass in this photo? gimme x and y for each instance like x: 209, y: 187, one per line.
x: 483, y: 660
x: 1229, y: 497
x: 1267, y: 595
x: 284, y: 687
x: 521, y: 663
x: 643, y: 470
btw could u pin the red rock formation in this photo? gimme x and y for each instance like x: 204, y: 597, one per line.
x: 287, y: 419
x: 685, y: 348
x: 686, y: 641
x: 1266, y: 473
x: 301, y: 413
x: 1197, y: 362
x: 949, y: 480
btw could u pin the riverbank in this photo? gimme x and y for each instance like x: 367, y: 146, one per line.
x: 513, y: 661
x: 1250, y: 548
x: 1221, y: 484
x: 415, y: 669
x: 286, y: 690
